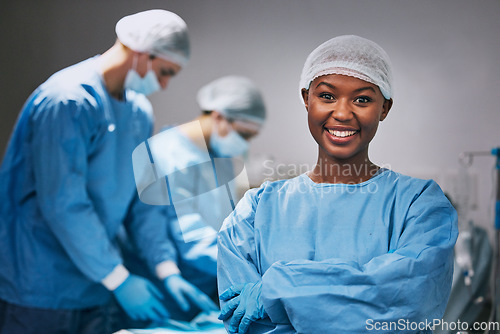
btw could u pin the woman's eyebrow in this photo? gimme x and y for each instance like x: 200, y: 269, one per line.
x: 326, y: 84
x: 356, y: 90
x: 365, y: 88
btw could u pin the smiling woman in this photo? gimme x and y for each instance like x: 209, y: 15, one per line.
x: 346, y: 85
x: 343, y: 114
x: 348, y: 242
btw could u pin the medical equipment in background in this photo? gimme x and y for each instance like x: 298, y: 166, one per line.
x: 466, y: 160
x: 473, y: 257
x: 463, y: 247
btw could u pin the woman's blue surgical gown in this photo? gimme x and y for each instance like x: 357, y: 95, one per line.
x: 339, y: 258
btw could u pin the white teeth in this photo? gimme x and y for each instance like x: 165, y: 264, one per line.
x: 341, y: 133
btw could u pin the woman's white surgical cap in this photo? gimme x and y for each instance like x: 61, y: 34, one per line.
x: 157, y: 32
x: 235, y: 97
x: 353, y: 56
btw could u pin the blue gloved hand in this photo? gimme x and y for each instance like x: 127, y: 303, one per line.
x: 244, y: 304
x: 140, y: 299
x: 182, y: 291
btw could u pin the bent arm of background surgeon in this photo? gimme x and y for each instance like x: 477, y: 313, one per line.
x: 147, y: 228
x: 412, y: 283
x: 194, y: 237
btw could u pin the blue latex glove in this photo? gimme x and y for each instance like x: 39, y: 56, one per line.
x: 183, y: 292
x: 243, y: 303
x: 140, y: 299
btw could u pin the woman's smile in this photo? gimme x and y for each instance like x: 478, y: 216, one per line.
x: 341, y: 135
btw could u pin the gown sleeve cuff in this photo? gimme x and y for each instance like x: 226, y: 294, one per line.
x: 115, y: 278
x: 274, y: 308
x: 276, y: 313
x: 166, y: 268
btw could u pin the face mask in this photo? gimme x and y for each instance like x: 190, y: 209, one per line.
x: 232, y: 145
x: 147, y: 85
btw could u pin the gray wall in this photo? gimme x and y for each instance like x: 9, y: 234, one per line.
x: 445, y: 55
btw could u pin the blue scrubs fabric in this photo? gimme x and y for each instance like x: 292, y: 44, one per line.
x: 338, y: 258
x: 198, y: 202
x: 66, y: 189
x: 197, y: 205
x: 199, y: 185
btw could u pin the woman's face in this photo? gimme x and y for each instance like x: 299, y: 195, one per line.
x: 343, y: 116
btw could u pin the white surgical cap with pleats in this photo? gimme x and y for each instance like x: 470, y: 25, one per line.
x: 157, y: 32
x: 235, y: 97
x: 352, y: 56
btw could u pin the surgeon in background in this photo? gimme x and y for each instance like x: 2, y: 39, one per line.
x: 67, y: 188
x: 348, y: 247
x: 198, y: 158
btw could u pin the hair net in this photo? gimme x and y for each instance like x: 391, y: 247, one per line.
x: 235, y: 97
x: 353, y: 56
x: 157, y: 32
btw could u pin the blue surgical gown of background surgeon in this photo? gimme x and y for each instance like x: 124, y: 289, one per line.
x: 67, y: 188
x: 199, y: 206
x: 201, y: 199
x: 333, y: 256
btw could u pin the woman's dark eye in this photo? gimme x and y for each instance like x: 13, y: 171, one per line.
x: 363, y: 99
x: 326, y: 96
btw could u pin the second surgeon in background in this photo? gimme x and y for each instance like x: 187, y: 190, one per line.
x: 197, y: 159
